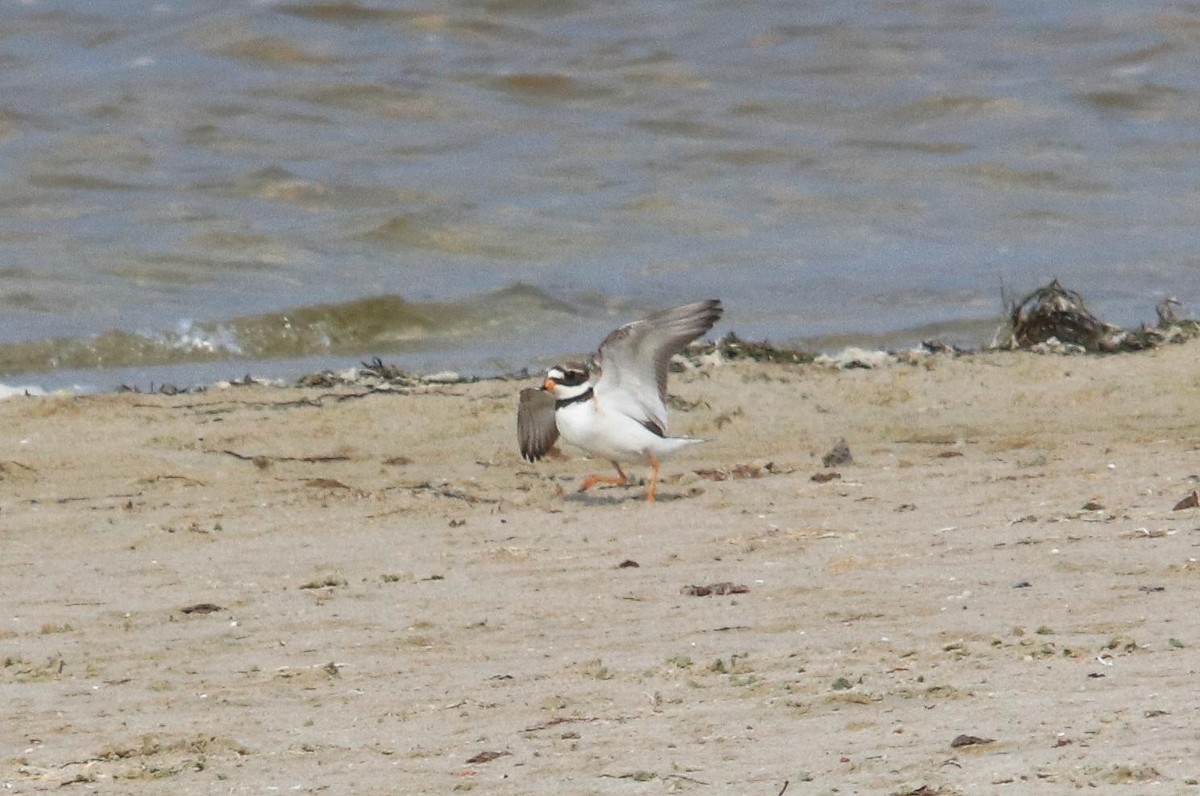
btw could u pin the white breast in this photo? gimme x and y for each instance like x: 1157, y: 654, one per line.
x: 612, y: 435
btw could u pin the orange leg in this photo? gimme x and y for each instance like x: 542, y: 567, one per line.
x: 653, y: 478
x: 592, y: 480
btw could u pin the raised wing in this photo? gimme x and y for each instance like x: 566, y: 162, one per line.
x: 536, y: 430
x: 634, y: 360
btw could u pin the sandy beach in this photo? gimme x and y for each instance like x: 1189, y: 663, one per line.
x: 256, y: 590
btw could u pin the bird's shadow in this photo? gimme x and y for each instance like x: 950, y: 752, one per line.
x: 613, y: 497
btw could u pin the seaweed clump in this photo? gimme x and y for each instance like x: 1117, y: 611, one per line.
x: 380, y: 376
x: 732, y: 347
x: 1055, y: 319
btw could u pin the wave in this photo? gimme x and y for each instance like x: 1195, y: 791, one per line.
x: 367, y: 326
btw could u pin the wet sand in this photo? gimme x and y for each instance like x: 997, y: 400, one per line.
x: 256, y: 590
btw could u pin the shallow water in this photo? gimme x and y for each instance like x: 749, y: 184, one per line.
x: 482, y: 185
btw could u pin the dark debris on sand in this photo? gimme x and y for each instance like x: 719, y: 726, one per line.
x: 731, y: 347
x: 1053, y: 319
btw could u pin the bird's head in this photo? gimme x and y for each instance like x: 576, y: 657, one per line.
x: 566, y: 381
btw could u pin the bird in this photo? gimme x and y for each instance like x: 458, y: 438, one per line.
x: 619, y: 413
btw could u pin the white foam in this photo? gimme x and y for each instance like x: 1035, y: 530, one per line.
x: 191, y: 337
x: 19, y: 390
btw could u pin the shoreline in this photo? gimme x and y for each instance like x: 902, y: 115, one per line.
x: 510, y: 352
x: 1051, y: 319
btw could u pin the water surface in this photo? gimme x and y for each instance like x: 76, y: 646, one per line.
x: 482, y: 185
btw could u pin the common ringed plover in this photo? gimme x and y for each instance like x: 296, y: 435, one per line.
x: 621, y: 413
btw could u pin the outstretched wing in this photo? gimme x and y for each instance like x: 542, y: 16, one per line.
x: 536, y: 430
x: 634, y: 360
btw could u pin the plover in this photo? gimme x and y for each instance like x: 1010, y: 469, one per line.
x: 619, y: 414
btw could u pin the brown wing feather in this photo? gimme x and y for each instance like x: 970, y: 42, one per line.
x: 536, y: 430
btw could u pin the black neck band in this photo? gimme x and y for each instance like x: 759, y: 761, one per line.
x: 586, y: 395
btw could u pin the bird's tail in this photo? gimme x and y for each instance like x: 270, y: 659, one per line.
x: 673, y: 444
